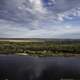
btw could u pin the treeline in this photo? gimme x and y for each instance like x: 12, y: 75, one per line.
x: 40, y: 48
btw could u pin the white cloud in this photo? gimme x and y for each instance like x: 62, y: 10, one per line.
x: 25, y: 9
x: 23, y: 18
x: 10, y: 29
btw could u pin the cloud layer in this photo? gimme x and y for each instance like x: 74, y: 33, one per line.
x: 39, y: 18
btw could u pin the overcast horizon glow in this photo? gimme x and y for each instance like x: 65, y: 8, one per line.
x: 40, y: 19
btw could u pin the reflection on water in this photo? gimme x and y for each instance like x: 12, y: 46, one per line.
x: 66, y: 79
x: 61, y: 79
x: 6, y: 79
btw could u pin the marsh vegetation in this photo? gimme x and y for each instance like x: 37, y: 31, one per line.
x: 44, y: 48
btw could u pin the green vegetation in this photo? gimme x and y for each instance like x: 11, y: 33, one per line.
x: 46, y: 48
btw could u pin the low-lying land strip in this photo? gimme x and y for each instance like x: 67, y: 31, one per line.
x: 41, y: 47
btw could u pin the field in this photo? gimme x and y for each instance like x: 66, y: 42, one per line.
x: 41, y: 47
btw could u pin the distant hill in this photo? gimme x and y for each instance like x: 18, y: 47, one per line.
x: 39, y: 40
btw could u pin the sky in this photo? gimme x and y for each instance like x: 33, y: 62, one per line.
x: 40, y: 19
